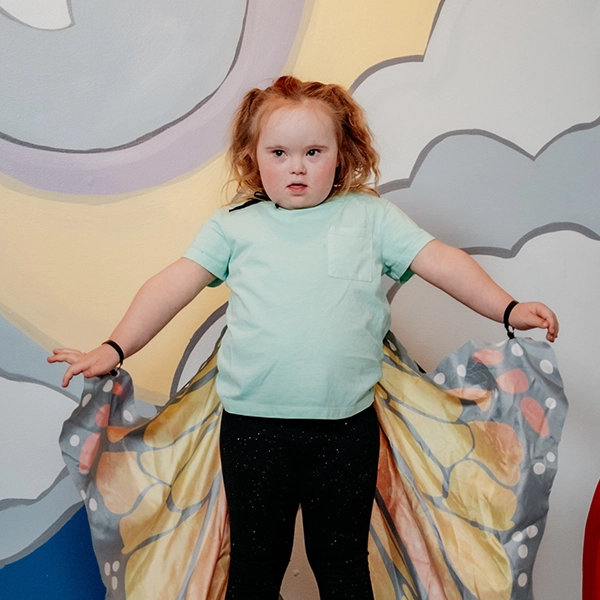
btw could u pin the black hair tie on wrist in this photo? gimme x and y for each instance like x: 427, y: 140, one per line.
x: 119, y: 351
x: 510, y: 330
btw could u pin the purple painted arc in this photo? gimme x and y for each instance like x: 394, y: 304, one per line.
x: 267, y: 39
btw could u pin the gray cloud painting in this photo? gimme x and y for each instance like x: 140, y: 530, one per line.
x: 479, y: 54
x: 491, y: 195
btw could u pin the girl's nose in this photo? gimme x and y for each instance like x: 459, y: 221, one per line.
x: 297, y: 166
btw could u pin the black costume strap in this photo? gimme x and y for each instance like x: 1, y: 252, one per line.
x: 249, y: 203
x: 258, y: 197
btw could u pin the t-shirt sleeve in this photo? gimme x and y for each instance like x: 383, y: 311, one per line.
x: 401, y: 240
x: 211, y: 250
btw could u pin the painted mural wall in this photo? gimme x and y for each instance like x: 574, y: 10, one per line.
x: 113, y: 124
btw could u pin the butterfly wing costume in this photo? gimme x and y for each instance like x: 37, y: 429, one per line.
x: 468, y: 455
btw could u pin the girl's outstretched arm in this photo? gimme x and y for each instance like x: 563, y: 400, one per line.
x: 156, y: 303
x: 459, y: 275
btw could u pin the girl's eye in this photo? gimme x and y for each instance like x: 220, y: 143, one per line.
x: 278, y: 152
x: 313, y: 152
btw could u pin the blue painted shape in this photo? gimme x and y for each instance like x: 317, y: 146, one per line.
x: 64, y: 568
x: 24, y: 360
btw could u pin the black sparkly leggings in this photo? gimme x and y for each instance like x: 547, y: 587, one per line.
x: 270, y: 467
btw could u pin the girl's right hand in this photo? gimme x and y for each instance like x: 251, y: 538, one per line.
x: 99, y: 361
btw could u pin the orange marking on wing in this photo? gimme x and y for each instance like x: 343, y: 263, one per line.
x: 116, y: 434
x: 102, y: 415
x: 120, y: 481
x: 488, y: 356
x: 513, y: 382
x: 88, y: 452
x: 535, y: 416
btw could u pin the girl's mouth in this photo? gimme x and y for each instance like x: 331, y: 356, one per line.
x: 297, y: 187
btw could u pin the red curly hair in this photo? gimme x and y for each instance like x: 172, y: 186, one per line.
x: 358, y: 161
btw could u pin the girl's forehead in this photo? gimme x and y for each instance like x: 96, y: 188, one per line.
x: 307, y: 117
x: 285, y: 110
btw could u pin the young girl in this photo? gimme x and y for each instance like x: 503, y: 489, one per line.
x: 303, y: 252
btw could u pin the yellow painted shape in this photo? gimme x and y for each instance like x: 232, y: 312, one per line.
x: 120, y: 480
x: 340, y: 39
x: 474, y: 495
x: 449, y: 442
x: 69, y: 270
x: 498, y: 447
x: 420, y: 394
x: 477, y: 557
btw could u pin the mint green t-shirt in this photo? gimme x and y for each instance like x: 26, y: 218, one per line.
x: 307, y: 313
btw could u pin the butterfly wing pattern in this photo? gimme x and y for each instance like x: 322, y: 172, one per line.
x: 468, y: 456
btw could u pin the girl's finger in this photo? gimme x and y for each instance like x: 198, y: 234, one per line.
x: 70, y: 356
x: 74, y: 369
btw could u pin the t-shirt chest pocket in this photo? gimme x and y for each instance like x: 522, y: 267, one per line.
x: 350, y: 253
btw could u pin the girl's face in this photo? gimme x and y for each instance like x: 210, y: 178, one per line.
x: 297, y: 155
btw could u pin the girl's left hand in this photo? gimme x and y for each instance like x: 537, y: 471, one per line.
x: 529, y: 315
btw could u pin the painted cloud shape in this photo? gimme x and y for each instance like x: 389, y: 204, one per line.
x: 478, y: 55
x: 490, y: 195
x: 40, y: 14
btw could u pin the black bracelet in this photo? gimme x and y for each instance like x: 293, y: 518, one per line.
x: 510, y: 330
x: 119, y: 351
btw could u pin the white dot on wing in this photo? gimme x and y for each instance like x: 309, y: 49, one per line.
x: 517, y: 536
x: 532, y: 531
x: 440, y: 378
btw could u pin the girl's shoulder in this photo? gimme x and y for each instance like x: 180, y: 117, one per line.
x: 366, y: 202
